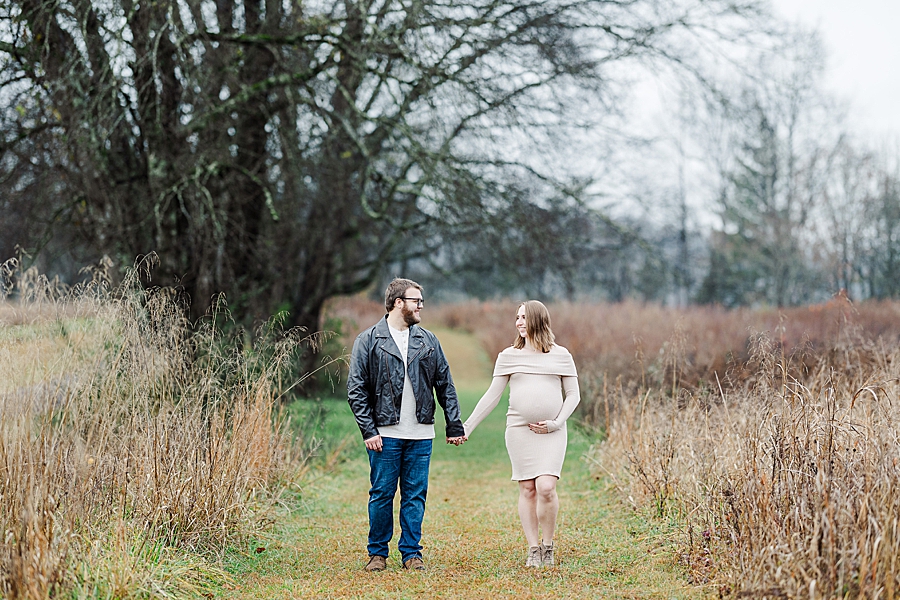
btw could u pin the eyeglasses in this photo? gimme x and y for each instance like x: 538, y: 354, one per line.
x: 419, y: 302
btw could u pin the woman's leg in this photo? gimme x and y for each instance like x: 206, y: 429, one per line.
x: 528, y: 511
x: 547, y: 506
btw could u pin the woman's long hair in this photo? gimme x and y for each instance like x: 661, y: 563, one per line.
x: 537, y: 326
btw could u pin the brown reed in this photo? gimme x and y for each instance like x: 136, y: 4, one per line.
x: 638, y: 342
x: 134, y: 446
x: 785, y: 485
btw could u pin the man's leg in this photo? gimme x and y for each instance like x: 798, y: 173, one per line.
x: 413, y: 491
x: 383, y: 474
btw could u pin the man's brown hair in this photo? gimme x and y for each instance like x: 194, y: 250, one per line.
x: 537, y: 327
x: 397, y: 289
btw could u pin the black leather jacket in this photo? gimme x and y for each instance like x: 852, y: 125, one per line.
x: 375, y: 382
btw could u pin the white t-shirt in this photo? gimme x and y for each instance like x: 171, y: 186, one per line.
x: 409, y: 427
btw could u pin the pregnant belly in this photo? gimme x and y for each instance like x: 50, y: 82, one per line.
x: 533, y: 398
x: 522, y: 413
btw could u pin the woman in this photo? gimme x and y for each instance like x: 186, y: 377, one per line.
x: 537, y: 371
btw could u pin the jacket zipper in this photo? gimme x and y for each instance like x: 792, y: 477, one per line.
x: 390, y: 387
x: 421, y: 350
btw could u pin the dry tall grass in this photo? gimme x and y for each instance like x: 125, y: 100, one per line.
x: 643, y: 343
x: 786, y: 485
x: 133, y: 446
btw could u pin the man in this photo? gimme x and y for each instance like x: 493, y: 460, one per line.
x: 396, y: 368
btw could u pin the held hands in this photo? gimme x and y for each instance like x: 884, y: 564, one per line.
x: 375, y: 444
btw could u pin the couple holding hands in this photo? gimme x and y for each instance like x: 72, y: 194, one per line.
x: 397, y: 368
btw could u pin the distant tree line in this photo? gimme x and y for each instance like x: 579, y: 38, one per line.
x: 804, y: 209
x: 285, y: 152
x: 796, y: 208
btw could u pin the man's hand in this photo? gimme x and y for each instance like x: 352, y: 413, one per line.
x: 374, y: 443
x: 457, y: 441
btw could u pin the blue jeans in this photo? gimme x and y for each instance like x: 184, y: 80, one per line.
x: 406, y: 461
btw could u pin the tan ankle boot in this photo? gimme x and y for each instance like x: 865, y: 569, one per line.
x: 547, y: 559
x: 534, y: 557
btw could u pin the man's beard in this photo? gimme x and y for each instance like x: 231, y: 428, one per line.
x: 409, y: 316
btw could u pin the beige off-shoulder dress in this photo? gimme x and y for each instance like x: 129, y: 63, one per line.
x: 543, y: 386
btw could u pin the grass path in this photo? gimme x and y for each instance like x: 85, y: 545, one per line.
x: 474, y: 547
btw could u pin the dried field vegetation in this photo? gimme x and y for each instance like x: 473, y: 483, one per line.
x: 134, y: 446
x: 784, y: 479
x: 634, y: 341
x: 771, y: 437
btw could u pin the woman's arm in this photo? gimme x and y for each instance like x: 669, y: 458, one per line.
x: 487, y: 403
x: 570, y: 403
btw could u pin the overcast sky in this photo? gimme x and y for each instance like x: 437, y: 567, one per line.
x: 863, y: 45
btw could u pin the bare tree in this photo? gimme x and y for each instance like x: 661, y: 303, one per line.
x: 282, y: 151
x: 779, y: 141
x: 879, y: 265
x: 847, y: 209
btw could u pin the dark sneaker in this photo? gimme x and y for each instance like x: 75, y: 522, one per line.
x: 377, y: 563
x: 534, y: 557
x: 414, y: 564
x: 547, y: 559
